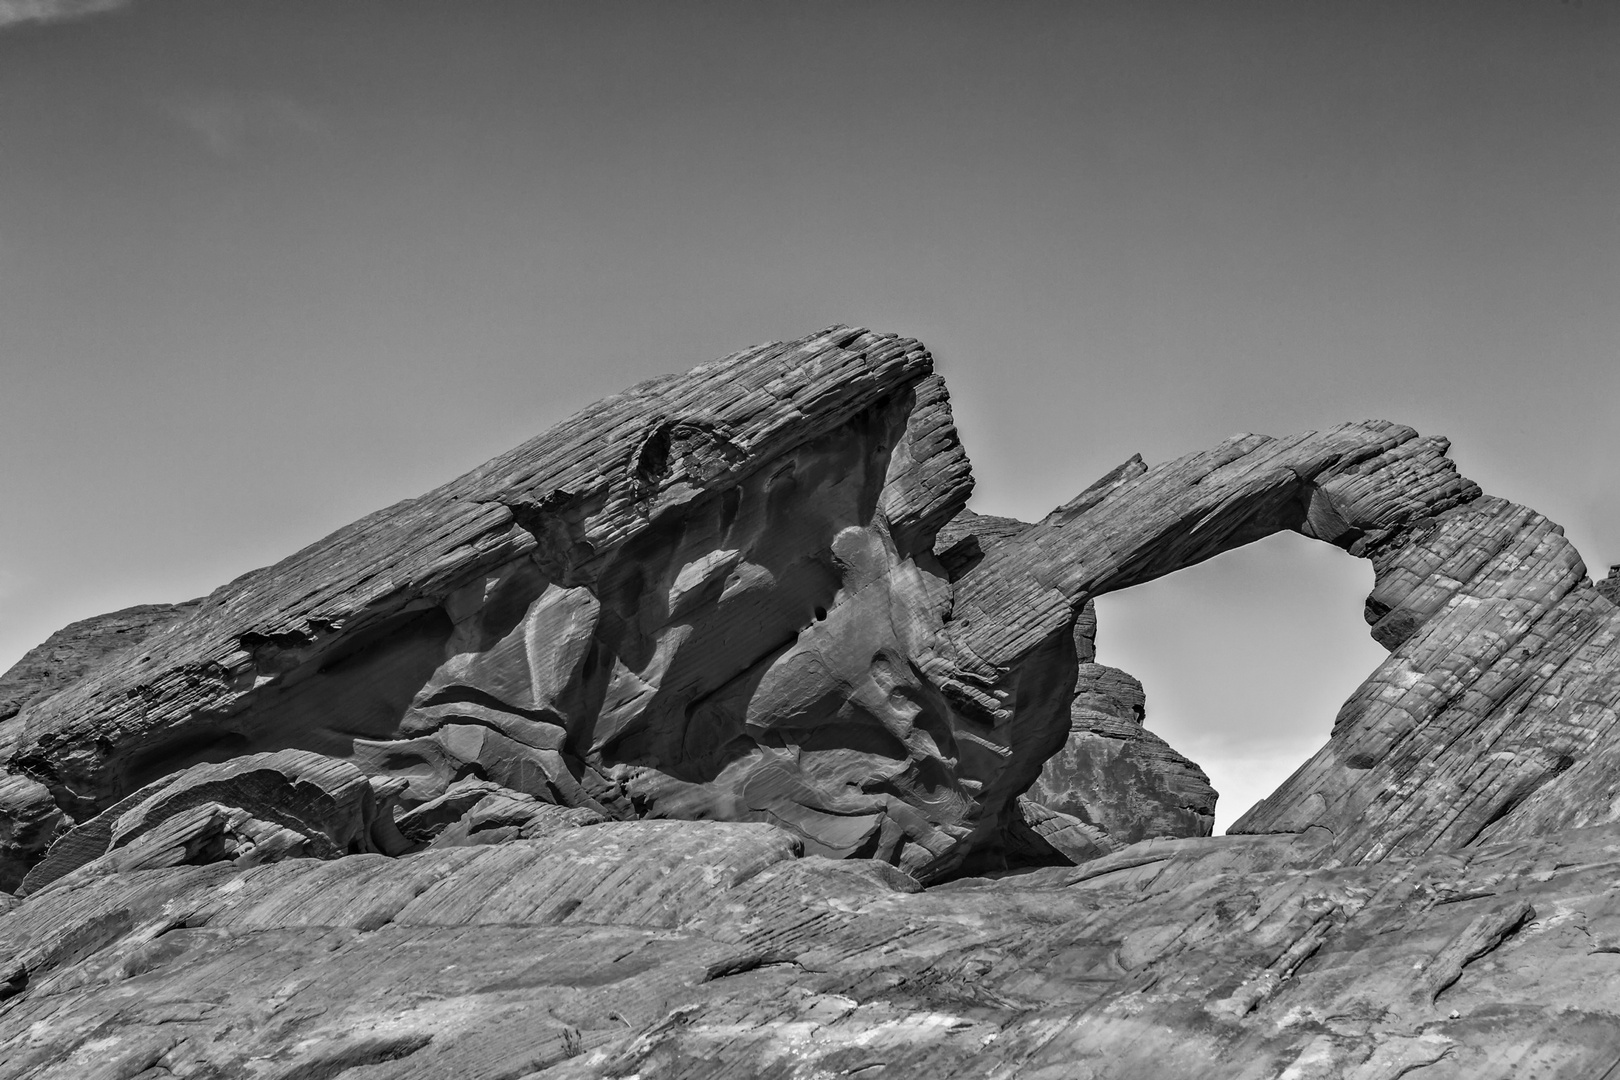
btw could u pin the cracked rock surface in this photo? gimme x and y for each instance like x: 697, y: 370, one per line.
x: 709, y: 733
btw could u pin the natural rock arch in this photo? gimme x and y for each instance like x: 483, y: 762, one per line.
x: 1489, y: 718
x: 752, y: 592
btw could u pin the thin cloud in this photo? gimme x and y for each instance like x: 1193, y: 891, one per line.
x: 227, y: 123
x: 13, y: 12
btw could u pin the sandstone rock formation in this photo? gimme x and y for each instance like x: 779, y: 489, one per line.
x: 66, y: 655
x: 663, y: 949
x: 254, y: 809
x: 1116, y: 775
x: 703, y: 710
x: 699, y: 598
x: 1610, y: 586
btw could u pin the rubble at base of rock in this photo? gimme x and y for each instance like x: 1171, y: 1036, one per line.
x: 710, y: 734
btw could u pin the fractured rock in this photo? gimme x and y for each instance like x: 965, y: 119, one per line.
x: 474, y: 811
x: 682, y: 949
x: 1609, y: 587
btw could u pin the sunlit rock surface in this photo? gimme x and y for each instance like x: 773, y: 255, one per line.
x: 677, y: 742
x: 706, y: 949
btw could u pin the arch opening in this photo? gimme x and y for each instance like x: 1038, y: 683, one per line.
x: 1246, y: 658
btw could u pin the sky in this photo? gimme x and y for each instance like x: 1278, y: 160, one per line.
x: 268, y: 265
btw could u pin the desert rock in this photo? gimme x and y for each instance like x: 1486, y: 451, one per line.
x: 703, y: 949
x: 726, y: 740
x: 66, y: 655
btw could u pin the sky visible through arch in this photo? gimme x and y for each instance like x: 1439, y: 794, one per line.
x: 267, y: 265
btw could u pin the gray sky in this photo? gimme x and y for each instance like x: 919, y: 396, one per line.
x: 267, y: 265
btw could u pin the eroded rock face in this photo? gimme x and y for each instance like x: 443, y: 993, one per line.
x: 703, y: 598
x: 1113, y: 782
x: 1494, y: 715
x: 1117, y: 776
x: 255, y: 809
x: 1609, y: 587
x: 753, y: 593
x: 61, y: 659
x: 695, y: 949
x: 750, y: 601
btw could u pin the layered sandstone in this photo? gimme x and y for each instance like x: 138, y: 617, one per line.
x: 695, y: 950
x: 670, y: 744
x: 64, y: 657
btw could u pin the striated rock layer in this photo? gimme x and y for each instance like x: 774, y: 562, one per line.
x: 539, y: 774
x: 64, y: 657
x: 692, y: 950
x: 727, y: 595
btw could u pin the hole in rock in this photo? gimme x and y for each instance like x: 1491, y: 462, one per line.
x: 1246, y: 658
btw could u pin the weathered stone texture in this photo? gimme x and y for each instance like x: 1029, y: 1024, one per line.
x: 698, y: 949
x: 1609, y: 587
x: 1117, y: 776
x: 635, y: 681
x: 696, y: 599
x: 254, y: 809
x: 66, y: 655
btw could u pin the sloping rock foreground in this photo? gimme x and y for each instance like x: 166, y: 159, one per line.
x: 750, y: 601
x: 707, y: 949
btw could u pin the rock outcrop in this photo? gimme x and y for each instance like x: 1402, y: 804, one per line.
x: 703, y: 949
x: 1117, y: 776
x: 254, y: 809
x: 699, y: 598
x: 1609, y: 587
x: 704, y: 711
x: 1113, y: 782
x: 64, y: 657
